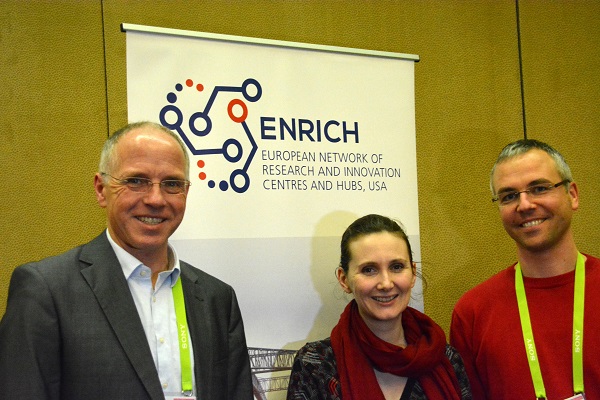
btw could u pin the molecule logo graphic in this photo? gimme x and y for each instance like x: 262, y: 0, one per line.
x: 196, y: 130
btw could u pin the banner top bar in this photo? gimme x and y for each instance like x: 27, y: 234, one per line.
x: 268, y: 42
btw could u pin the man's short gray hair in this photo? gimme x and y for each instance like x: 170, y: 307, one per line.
x: 108, y: 155
x: 523, y: 146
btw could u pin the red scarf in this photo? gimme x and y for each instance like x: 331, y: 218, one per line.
x: 357, y: 351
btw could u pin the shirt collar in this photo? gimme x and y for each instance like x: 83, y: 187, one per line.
x: 129, y: 263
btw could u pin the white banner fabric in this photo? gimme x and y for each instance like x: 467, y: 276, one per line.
x: 288, y: 145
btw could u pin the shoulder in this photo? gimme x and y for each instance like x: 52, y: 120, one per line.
x: 60, y: 264
x: 207, y: 287
x: 592, y: 261
x: 318, y: 355
x: 493, y: 288
x: 204, y: 278
x: 592, y: 271
x: 314, y: 373
x: 316, y: 361
x: 320, y: 349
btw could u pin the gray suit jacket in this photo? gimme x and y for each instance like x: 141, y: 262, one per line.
x: 71, y: 331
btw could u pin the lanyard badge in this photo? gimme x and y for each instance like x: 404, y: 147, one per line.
x: 184, y: 348
x: 578, y: 307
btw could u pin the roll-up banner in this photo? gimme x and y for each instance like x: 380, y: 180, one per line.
x: 289, y: 143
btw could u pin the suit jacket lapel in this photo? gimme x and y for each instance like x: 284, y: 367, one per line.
x: 102, y: 271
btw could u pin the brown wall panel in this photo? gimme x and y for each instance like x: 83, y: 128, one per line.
x: 561, y: 68
x: 52, y: 122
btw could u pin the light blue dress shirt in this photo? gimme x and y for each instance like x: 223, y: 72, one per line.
x: 156, y: 309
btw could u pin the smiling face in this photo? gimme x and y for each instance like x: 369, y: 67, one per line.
x: 142, y: 222
x: 380, y: 276
x: 544, y: 222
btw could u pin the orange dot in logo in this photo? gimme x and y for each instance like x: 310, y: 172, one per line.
x: 189, y: 83
x: 199, y: 87
x: 200, y: 163
x: 241, y: 105
x: 202, y: 176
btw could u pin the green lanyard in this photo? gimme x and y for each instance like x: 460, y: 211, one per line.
x: 187, y: 386
x: 578, y: 304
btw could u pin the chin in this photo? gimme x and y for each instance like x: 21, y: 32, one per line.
x: 535, y: 247
x: 154, y: 243
x: 390, y: 316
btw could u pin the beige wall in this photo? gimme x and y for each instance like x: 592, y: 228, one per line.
x: 64, y: 88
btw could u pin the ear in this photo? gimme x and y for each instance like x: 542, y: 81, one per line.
x: 574, y: 194
x: 343, y: 279
x: 99, y: 189
x: 414, y: 277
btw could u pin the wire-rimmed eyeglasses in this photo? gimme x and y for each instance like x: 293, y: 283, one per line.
x: 535, y: 191
x: 137, y: 184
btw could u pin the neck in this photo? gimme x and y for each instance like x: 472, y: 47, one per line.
x: 391, y: 332
x: 549, y: 262
x: 158, y: 260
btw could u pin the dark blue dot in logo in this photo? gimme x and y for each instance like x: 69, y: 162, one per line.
x: 235, y: 154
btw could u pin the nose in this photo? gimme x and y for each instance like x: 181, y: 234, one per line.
x: 155, y: 196
x: 524, y: 202
x: 385, y: 282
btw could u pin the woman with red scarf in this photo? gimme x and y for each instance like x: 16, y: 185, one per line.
x: 381, y: 349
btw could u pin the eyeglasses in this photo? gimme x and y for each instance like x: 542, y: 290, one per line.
x: 137, y: 184
x: 535, y: 191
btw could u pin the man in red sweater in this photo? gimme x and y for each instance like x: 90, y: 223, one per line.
x: 532, y: 331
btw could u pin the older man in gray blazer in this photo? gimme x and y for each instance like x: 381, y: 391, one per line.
x: 121, y: 317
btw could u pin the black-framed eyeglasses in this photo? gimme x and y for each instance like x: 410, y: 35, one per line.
x: 535, y: 191
x: 137, y: 184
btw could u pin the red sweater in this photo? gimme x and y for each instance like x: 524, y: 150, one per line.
x: 486, y: 331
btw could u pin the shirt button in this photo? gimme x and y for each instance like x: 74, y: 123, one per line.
x: 165, y: 385
x: 162, y: 340
x: 143, y: 273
